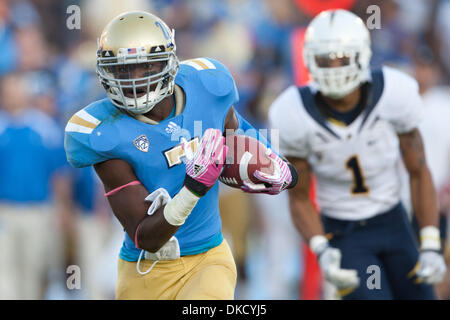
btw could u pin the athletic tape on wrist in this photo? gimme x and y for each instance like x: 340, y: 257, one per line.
x: 178, y: 209
x: 430, y: 238
x: 318, y: 243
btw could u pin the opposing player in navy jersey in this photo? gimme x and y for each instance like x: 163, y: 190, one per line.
x: 351, y: 126
x: 157, y: 144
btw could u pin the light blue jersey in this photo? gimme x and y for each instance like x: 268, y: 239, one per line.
x: 101, y: 131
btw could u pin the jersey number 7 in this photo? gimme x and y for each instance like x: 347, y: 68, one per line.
x: 359, y: 185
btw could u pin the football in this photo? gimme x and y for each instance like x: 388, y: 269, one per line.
x: 245, y: 155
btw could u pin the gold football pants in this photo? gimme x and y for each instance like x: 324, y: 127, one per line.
x: 210, y: 276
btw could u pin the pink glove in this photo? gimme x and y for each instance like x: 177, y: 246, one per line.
x: 203, y: 167
x: 278, y: 181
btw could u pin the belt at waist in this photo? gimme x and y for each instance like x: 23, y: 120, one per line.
x: 344, y: 226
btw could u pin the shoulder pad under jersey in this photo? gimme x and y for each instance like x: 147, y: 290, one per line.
x: 91, y: 134
x: 214, y: 76
x: 402, y: 101
x: 287, y: 116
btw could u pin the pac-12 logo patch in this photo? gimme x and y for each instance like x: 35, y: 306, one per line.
x: 141, y: 143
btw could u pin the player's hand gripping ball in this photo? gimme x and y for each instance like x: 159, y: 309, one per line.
x: 204, y: 166
x: 254, y: 168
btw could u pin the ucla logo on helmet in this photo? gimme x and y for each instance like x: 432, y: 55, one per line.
x: 141, y: 143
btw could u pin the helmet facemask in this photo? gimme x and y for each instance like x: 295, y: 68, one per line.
x: 133, y: 81
x: 337, y: 72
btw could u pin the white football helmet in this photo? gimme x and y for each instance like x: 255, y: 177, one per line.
x: 137, y: 42
x: 337, y: 52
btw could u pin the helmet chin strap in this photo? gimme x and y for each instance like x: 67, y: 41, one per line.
x: 116, y: 94
x: 180, y: 102
x: 338, y: 95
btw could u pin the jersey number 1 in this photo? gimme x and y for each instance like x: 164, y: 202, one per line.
x: 358, y: 178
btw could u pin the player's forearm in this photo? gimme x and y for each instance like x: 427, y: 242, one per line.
x: 154, y: 231
x: 305, y: 218
x: 423, y: 194
x: 148, y: 232
x: 423, y: 198
x: 159, y: 226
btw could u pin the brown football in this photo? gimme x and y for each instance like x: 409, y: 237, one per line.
x: 245, y: 155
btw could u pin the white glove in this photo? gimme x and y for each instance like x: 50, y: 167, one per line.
x: 432, y: 266
x: 330, y: 263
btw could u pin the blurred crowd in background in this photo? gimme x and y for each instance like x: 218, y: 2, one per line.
x: 53, y: 216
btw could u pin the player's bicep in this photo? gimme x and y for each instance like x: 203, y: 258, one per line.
x: 128, y: 204
x: 413, y: 152
x: 302, y: 188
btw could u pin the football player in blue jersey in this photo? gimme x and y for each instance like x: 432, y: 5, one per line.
x: 158, y: 168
